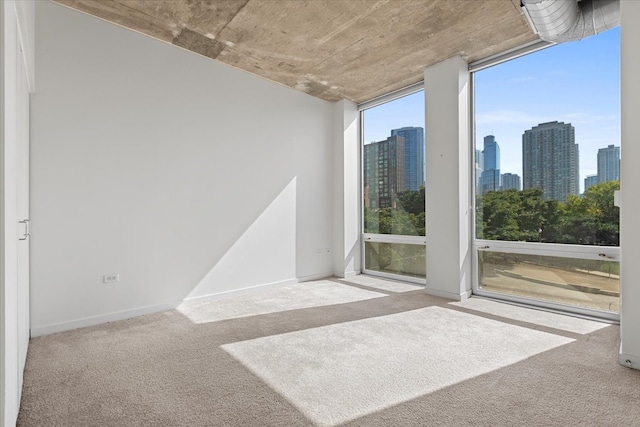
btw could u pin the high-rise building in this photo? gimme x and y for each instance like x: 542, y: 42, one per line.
x: 414, y: 161
x: 590, y: 181
x: 550, y: 160
x: 491, y: 153
x: 479, y: 161
x: 491, y: 174
x: 384, y: 172
x: 491, y: 180
x: 608, y: 164
x: 510, y: 181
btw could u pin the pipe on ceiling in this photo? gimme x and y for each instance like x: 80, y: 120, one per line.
x: 567, y: 20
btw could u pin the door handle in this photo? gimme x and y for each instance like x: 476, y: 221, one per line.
x: 27, y: 229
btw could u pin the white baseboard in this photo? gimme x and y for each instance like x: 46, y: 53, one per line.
x: 448, y: 295
x: 628, y: 360
x: 127, y: 314
x: 96, y: 320
x: 235, y: 292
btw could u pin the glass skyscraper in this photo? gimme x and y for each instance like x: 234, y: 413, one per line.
x: 550, y: 160
x: 479, y: 161
x: 609, y: 164
x: 491, y: 174
x: 414, y: 161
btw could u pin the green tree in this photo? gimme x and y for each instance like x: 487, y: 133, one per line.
x: 551, y: 215
x: 393, y: 221
x: 407, y: 219
x: 513, y: 215
x: 525, y: 216
x: 577, y: 226
x: 592, y: 219
x: 519, y: 216
x: 500, y: 215
x: 531, y: 215
x: 412, y: 201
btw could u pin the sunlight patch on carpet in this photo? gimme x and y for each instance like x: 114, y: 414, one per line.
x: 284, y: 298
x: 529, y: 315
x: 340, y: 372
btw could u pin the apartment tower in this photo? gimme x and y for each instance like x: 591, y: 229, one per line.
x: 511, y: 181
x: 384, y: 172
x: 609, y: 164
x: 550, y: 160
x: 413, y: 156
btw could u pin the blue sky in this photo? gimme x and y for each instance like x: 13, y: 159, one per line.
x: 576, y: 82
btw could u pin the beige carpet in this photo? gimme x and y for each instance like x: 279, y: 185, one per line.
x: 365, y: 352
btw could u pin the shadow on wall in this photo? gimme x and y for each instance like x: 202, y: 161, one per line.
x: 184, y: 176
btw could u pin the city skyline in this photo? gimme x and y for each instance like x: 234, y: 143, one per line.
x: 607, y: 159
x: 575, y: 82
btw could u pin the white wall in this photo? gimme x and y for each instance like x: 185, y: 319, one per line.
x: 448, y: 200
x: 187, y: 177
x: 25, y: 10
x: 629, y: 179
x: 8, y: 232
x: 16, y: 20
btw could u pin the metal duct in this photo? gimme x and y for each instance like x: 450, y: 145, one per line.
x: 566, y: 20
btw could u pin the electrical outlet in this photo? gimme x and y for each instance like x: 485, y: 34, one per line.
x: 110, y: 278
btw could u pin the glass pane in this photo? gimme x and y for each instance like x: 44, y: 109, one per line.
x: 407, y: 260
x: 583, y: 283
x: 394, y: 167
x: 547, y: 155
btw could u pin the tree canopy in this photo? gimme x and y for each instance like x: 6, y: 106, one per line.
x: 525, y: 216
x: 516, y: 216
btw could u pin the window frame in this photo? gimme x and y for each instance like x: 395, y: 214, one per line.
x: 587, y: 252
x: 384, y: 238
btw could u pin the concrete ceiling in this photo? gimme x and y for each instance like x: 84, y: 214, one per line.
x: 332, y: 49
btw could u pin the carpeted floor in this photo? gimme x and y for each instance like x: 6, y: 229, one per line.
x: 359, y: 352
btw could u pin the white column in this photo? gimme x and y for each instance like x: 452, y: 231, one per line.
x: 447, y: 127
x: 629, y: 179
x: 346, y: 217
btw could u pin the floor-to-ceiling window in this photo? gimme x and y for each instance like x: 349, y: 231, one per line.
x: 393, y: 177
x: 547, y: 168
